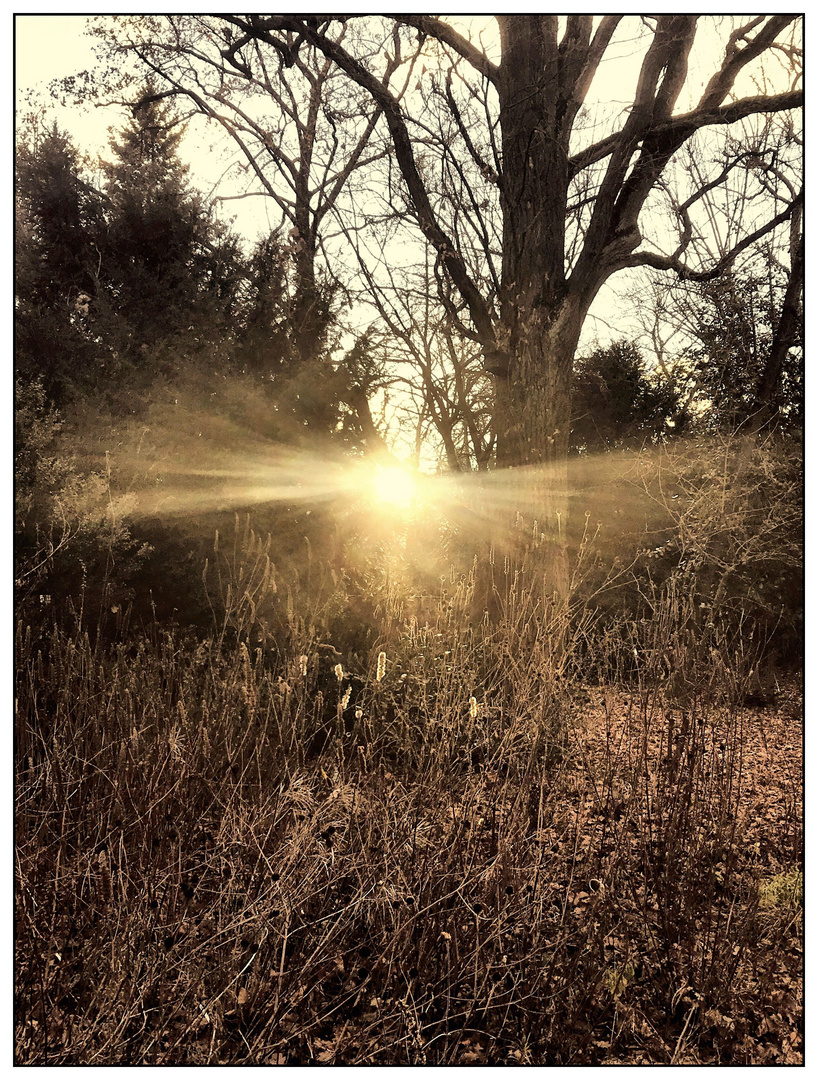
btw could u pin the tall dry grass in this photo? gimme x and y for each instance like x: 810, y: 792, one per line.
x: 524, y: 839
x: 364, y: 822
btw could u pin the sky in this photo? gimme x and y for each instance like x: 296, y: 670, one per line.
x: 52, y: 46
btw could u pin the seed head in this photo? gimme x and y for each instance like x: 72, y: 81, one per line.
x: 474, y: 708
x: 339, y: 672
x: 105, y: 875
x: 381, y: 666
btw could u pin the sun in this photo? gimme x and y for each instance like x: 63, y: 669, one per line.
x: 394, y: 485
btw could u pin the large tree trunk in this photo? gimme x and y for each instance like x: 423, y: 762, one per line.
x: 540, y: 319
x: 533, y: 398
x: 532, y: 407
x: 535, y: 331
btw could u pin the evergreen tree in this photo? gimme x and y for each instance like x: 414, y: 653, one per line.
x: 616, y: 403
x: 116, y: 280
x: 304, y: 385
x: 168, y: 264
x: 58, y: 217
x: 735, y: 318
x: 59, y: 230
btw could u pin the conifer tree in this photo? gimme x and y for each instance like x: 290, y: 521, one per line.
x: 168, y: 264
x: 59, y: 225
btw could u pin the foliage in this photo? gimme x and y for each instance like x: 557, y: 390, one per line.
x: 615, y: 403
x: 117, y: 279
x: 168, y: 267
x: 270, y: 339
x: 59, y: 217
x: 133, y: 285
x: 72, y: 539
x: 735, y: 319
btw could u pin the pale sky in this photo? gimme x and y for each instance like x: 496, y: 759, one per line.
x: 52, y: 46
x: 49, y: 47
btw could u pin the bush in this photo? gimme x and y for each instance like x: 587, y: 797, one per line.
x: 72, y: 538
x: 616, y: 402
x: 735, y: 506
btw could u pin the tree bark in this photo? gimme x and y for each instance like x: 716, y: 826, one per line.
x: 783, y: 339
x: 538, y: 333
x: 532, y: 404
x: 535, y: 383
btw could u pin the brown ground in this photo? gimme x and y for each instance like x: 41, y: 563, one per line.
x: 764, y: 744
x: 600, y: 909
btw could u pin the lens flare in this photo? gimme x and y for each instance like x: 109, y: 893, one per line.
x: 394, y: 485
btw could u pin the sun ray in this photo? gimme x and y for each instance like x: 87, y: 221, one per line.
x: 394, y: 485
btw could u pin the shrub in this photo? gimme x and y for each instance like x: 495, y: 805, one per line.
x: 735, y: 505
x: 73, y: 540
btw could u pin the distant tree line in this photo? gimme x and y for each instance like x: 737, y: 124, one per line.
x: 125, y: 276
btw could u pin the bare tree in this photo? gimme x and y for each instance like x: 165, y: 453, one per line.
x: 753, y: 296
x: 576, y: 206
x: 440, y: 373
x: 529, y: 336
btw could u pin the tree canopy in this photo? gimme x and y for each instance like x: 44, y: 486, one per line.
x: 530, y: 193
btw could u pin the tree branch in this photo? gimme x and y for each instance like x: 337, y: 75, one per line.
x: 735, y: 59
x: 404, y: 154
x: 434, y: 27
x: 685, y: 273
x: 689, y: 122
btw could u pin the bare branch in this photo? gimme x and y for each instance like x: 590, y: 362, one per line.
x: 431, y: 229
x: 434, y: 27
x: 735, y: 59
x: 686, y: 123
x: 686, y: 273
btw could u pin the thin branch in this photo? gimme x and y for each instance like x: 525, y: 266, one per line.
x: 686, y: 123
x: 434, y: 27
x: 686, y: 273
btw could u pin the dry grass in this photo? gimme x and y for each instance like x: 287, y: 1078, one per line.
x: 450, y: 854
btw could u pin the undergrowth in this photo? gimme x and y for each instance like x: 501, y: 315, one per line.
x: 452, y: 841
